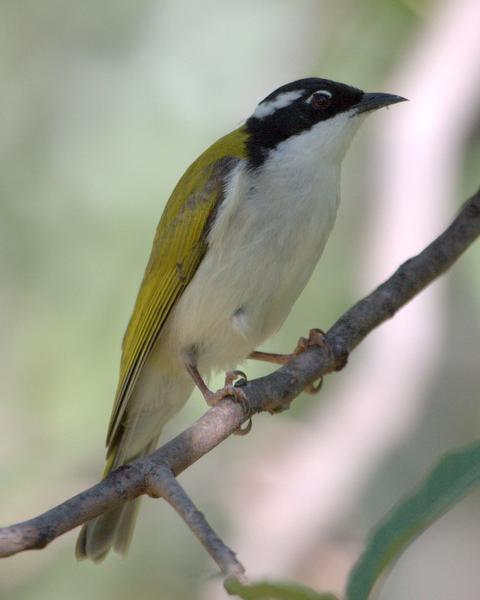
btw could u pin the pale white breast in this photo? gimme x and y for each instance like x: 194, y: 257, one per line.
x: 266, y: 240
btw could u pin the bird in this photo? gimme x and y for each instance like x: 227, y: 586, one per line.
x: 236, y: 244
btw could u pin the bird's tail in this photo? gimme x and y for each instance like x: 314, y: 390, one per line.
x: 155, y: 403
x: 113, y: 529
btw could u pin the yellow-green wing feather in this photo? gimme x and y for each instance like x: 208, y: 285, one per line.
x: 178, y: 248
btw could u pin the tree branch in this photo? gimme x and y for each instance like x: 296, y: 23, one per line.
x: 155, y: 474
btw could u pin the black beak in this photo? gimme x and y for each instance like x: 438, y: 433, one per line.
x: 376, y: 100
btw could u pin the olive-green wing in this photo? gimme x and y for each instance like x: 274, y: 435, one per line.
x: 179, y: 245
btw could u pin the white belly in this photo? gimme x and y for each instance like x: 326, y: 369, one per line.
x: 265, y: 242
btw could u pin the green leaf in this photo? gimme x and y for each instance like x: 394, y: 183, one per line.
x: 456, y: 474
x: 274, y: 591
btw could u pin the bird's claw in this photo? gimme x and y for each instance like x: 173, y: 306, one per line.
x: 230, y: 390
x: 314, y: 388
x: 231, y: 376
x: 244, y: 430
x: 316, y: 337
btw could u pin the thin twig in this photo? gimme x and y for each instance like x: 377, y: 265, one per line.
x: 272, y: 393
x: 162, y: 483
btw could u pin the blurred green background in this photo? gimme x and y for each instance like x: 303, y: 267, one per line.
x: 103, y: 107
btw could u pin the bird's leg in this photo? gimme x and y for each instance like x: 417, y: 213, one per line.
x: 316, y: 337
x: 228, y: 390
x: 271, y: 357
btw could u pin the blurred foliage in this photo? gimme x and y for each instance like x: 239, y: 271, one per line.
x: 103, y: 107
x: 455, y: 475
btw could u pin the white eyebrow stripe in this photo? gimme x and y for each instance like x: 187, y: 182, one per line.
x: 267, y: 108
x: 324, y: 92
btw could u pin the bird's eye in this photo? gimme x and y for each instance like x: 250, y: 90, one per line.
x: 320, y: 100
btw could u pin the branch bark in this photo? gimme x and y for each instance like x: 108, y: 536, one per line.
x: 152, y: 474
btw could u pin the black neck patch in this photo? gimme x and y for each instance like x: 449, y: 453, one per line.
x: 266, y: 132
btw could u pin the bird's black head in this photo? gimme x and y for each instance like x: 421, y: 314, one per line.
x: 298, y: 106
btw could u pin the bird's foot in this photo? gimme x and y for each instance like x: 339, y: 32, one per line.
x: 229, y: 390
x: 316, y: 337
